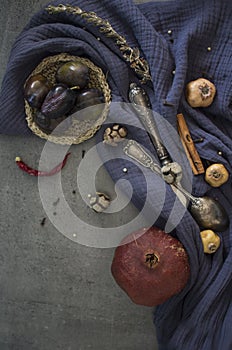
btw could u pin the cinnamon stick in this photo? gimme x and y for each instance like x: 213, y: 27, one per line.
x: 189, y: 147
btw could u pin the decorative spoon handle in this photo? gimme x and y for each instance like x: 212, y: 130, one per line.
x: 137, y: 152
x: 141, y: 104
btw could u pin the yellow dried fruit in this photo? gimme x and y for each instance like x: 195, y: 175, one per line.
x: 210, y: 240
x: 216, y: 175
x: 200, y: 92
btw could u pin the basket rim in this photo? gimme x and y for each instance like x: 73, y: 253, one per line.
x: 66, y: 139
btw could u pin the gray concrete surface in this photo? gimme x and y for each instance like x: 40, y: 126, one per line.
x: 55, y: 293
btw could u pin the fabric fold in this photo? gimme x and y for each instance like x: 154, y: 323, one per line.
x: 181, y: 42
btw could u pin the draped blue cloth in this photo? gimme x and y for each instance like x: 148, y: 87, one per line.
x: 200, y: 316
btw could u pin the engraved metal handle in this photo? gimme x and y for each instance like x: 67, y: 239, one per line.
x: 137, y: 152
x: 141, y: 104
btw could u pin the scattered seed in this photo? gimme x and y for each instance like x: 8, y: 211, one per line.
x: 42, y: 223
x: 199, y: 140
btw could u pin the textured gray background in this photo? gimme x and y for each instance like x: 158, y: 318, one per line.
x: 54, y: 293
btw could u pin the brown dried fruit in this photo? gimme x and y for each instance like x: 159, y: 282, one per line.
x: 150, y: 266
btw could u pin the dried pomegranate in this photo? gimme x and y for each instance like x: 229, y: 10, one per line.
x: 150, y: 266
x: 200, y: 92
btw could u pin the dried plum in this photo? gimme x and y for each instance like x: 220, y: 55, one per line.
x: 36, y: 89
x: 73, y: 74
x: 58, y: 102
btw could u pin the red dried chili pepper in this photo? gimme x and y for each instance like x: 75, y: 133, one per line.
x: 35, y: 172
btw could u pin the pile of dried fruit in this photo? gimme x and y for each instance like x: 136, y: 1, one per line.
x: 70, y: 94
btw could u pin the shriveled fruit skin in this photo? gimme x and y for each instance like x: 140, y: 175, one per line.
x: 146, y: 283
x: 200, y: 93
x: 58, y: 102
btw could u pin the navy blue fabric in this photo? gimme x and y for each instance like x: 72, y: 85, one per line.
x: 200, y: 316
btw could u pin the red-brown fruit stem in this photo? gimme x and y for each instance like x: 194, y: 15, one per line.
x: 34, y: 172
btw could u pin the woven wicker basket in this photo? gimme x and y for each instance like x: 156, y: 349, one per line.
x: 82, y: 130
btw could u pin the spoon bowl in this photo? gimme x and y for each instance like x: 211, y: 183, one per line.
x: 207, y: 212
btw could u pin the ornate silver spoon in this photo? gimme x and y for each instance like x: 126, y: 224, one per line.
x: 140, y: 102
x: 208, y: 213
x: 139, y: 99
